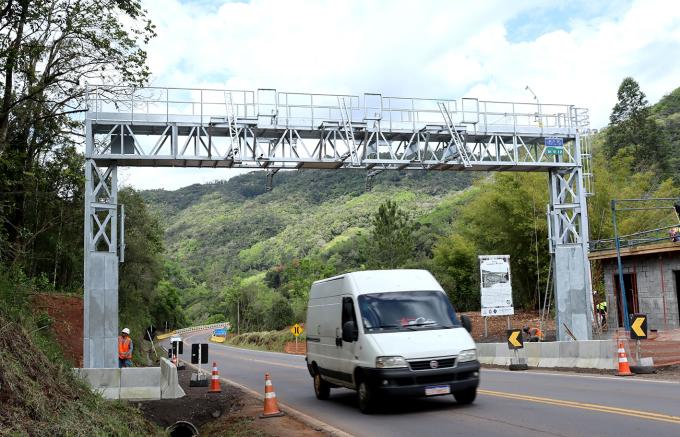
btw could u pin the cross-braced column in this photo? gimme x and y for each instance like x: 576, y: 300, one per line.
x: 100, y: 349
x: 568, y: 218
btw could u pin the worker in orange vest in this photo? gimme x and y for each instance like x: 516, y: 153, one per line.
x: 125, y: 348
x: 533, y: 334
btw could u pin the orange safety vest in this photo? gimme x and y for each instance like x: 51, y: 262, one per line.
x: 537, y: 333
x: 124, y: 348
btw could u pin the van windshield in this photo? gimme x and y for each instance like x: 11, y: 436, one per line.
x: 406, y: 311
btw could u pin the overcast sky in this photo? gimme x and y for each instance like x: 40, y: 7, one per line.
x: 573, y: 52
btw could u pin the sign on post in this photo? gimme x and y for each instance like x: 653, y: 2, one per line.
x: 638, y: 327
x: 515, y: 340
x: 199, y: 353
x: 177, y: 345
x: 297, y: 330
x: 496, y: 286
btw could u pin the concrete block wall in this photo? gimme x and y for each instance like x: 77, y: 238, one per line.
x: 134, y: 383
x: 656, y: 299
x: 590, y: 354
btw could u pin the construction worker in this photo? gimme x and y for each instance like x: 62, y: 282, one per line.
x: 532, y: 334
x: 675, y: 235
x: 125, y: 348
x: 601, y: 309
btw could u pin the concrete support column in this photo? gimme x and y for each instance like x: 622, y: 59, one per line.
x: 100, y: 333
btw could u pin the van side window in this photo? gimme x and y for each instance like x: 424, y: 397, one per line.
x: 348, y: 314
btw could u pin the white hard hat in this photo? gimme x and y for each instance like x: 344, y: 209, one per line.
x: 126, y: 331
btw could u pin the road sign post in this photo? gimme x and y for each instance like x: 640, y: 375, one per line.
x: 296, y: 330
x: 199, y: 355
x: 516, y: 342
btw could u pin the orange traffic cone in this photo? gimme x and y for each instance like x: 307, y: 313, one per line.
x: 271, y: 406
x: 174, y: 360
x: 624, y: 368
x: 215, y: 386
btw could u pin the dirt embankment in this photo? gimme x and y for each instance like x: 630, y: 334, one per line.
x: 497, y: 326
x: 40, y: 396
x: 229, y: 413
x: 66, y: 313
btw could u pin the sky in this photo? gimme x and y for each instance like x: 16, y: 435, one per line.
x: 572, y: 52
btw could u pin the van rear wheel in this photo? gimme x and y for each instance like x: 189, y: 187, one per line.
x: 322, y: 389
x: 466, y: 396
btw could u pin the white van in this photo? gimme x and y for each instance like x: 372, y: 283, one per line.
x: 386, y: 333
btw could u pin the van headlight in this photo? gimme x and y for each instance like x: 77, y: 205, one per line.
x: 390, y: 362
x: 467, y: 355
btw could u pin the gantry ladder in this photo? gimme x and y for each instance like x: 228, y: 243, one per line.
x: 346, y: 117
x: 231, y: 121
x: 455, y: 135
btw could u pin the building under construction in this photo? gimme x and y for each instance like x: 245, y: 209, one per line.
x: 651, y: 276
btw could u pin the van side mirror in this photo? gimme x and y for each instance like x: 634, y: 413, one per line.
x: 465, y: 321
x: 350, y: 332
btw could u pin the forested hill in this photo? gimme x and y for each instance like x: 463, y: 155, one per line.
x: 235, y: 227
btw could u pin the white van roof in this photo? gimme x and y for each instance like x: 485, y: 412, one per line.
x: 385, y: 281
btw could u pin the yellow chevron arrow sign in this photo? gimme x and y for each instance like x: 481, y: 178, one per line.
x: 638, y: 329
x: 515, y: 340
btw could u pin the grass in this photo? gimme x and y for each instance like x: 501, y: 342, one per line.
x: 39, y: 393
x: 266, y: 340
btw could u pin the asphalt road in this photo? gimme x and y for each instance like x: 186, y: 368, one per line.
x: 508, y: 403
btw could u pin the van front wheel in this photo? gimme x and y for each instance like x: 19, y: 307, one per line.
x: 466, y: 396
x: 366, y: 399
x: 322, y: 389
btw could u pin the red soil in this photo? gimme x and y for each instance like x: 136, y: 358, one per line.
x: 66, y: 311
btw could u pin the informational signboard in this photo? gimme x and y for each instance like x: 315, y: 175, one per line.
x: 554, y: 146
x: 496, y: 285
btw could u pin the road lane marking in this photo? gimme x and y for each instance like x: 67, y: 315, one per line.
x: 572, y: 375
x: 274, y: 363
x: 585, y: 406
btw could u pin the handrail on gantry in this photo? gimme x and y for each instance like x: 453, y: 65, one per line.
x: 309, y: 110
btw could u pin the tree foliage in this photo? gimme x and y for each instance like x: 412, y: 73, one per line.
x: 49, y: 49
x: 391, y: 242
x: 631, y: 125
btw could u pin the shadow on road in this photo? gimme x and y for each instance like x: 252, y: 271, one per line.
x: 400, y: 406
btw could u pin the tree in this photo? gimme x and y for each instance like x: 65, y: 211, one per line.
x: 455, y: 261
x: 49, y: 49
x: 630, y: 125
x: 391, y: 243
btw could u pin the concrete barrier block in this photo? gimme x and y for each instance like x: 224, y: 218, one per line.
x: 533, y: 353
x: 549, y: 354
x: 609, y: 355
x: 140, y: 383
x: 170, y: 388
x: 588, y: 354
x: 568, y: 353
x: 503, y: 355
x: 104, y: 381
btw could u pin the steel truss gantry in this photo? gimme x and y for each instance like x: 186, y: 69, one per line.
x: 273, y: 130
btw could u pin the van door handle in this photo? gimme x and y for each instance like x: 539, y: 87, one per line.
x: 338, y: 341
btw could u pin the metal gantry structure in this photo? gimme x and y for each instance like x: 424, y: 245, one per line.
x: 272, y: 130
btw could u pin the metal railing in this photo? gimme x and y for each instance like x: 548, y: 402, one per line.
x: 310, y: 110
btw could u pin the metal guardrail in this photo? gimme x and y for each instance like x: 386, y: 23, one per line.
x: 190, y: 329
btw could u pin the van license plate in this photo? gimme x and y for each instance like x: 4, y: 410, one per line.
x: 434, y: 390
